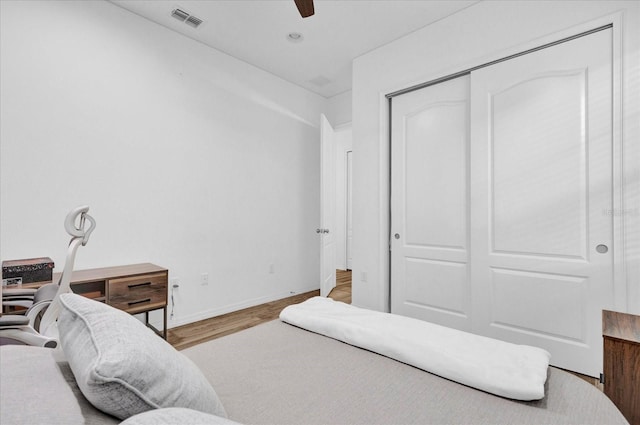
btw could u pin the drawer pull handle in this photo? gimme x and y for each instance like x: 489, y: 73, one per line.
x: 146, y: 300
x: 135, y: 285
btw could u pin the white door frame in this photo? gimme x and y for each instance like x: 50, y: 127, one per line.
x: 349, y: 204
x: 344, y: 147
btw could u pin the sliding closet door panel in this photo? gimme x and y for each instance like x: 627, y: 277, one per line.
x: 430, y: 204
x: 541, y: 184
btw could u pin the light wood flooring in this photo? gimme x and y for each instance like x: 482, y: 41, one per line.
x: 196, y: 333
x: 342, y: 291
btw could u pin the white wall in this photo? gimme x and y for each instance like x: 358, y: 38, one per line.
x: 189, y: 158
x: 483, y: 32
x: 339, y: 109
x: 343, y: 140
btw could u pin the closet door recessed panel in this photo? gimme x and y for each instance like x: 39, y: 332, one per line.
x: 539, y: 166
x: 435, y: 157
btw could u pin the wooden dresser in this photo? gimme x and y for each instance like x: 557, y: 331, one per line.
x: 621, y: 332
x: 134, y: 288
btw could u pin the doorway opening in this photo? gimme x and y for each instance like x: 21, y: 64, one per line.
x: 342, y: 291
x: 344, y: 197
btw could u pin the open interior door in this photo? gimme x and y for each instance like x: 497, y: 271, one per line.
x: 327, y: 207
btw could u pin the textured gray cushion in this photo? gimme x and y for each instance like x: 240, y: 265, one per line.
x: 176, y: 415
x: 122, y: 367
x: 38, y: 388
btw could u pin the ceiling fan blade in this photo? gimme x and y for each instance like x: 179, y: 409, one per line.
x: 305, y: 7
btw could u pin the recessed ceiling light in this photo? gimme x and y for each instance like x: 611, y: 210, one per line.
x: 295, y: 37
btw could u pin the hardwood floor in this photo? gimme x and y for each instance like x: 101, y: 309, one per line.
x: 589, y: 379
x: 196, y: 333
x: 342, y: 291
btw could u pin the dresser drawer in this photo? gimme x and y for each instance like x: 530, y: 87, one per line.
x: 138, y: 293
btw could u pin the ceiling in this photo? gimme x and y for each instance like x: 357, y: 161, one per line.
x: 255, y: 31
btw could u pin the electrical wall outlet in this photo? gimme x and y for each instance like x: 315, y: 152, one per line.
x: 204, y: 279
x: 363, y: 276
x: 272, y: 268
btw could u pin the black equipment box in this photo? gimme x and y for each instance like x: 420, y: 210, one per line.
x: 16, y: 272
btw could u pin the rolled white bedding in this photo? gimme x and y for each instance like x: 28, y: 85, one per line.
x: 508, y: 370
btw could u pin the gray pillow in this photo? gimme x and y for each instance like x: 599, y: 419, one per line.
x: 123, y: 368
x: 177, y: 415
x: 34, y: 390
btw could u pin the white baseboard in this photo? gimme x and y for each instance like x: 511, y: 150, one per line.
x: 207, y: 314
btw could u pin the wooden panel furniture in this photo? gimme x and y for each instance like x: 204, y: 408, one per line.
x: 135, y: 288
x: 621, y: 332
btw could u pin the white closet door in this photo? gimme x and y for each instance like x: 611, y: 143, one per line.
x: 429, y: 240
x: 541, y: 185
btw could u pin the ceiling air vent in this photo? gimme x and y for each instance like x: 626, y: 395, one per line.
x: 180, y: 14
x: 185, y: 17
x: 193, y: 21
